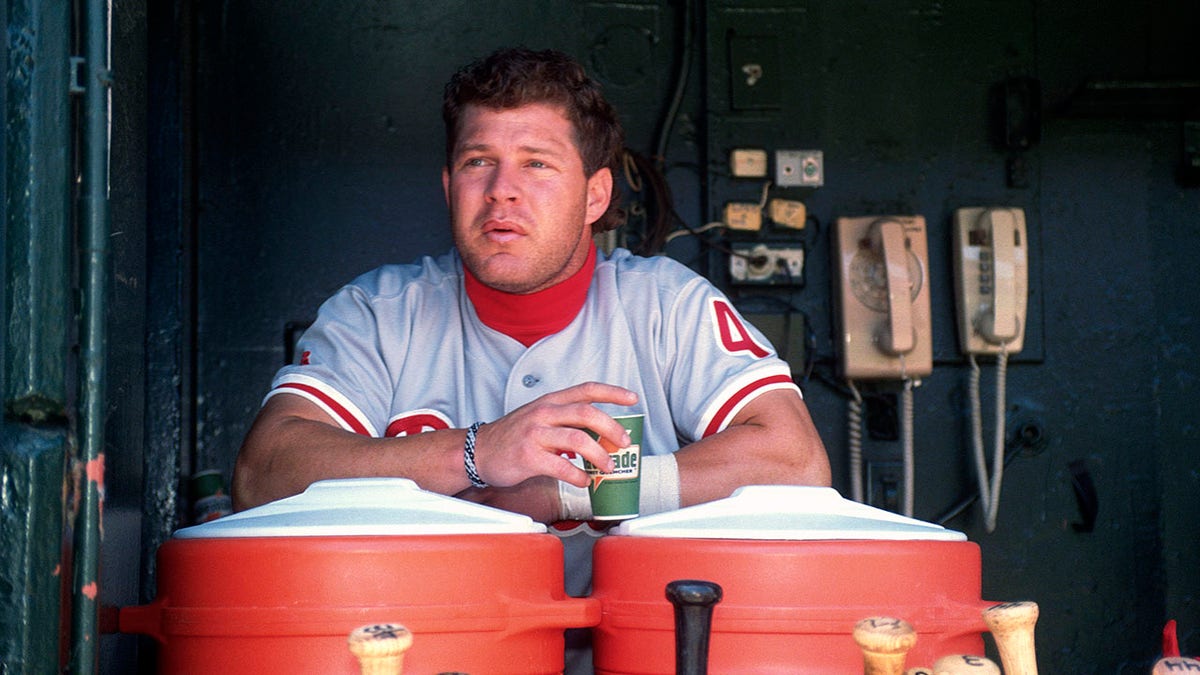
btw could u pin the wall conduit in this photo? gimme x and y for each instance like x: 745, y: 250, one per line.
x: 93, y: 251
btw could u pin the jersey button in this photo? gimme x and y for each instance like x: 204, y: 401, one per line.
x: 530, y: 381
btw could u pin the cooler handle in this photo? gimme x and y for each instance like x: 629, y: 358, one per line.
x: 143, y: 620
x: 567, y: 613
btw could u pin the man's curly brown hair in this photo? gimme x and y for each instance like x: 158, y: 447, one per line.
x: 513, y: 77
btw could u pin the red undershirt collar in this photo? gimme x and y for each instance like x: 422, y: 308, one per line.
x: 529, y: 318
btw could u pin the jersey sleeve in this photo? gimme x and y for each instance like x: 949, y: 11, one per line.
x: 719, y: 361
x: 341, y: 366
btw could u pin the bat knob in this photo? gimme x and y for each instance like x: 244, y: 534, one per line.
x: 965, y: 664
x: 380, y: 648
x: 1176, y: 664
x: 885, y: 642
x: 1011, y: 625
x: 693, y: 601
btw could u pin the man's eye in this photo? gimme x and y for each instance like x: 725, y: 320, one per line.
x: 475, y: 161
x: 537, y: 164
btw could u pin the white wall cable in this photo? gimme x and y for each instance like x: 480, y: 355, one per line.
x: 989, y: 495
x: 854, y: 441
x: 981, y: 470
x: 909, y: 459
x: 998, y: 452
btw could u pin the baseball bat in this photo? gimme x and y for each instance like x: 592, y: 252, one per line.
x: 693, y: 601
x: 965, y: 664
x: 884, y: 642
x: 380, y: 648
x: 1011, y: 624
x: 1176, y: 664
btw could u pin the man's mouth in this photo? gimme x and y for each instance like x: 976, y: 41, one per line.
x: 501, y: 231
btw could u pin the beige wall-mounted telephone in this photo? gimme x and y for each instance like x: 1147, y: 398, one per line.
x: 883, y: 297
x: 991, y: 264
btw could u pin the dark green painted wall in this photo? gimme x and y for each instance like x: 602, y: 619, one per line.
x: 304, y: 141
x: 35, y: 375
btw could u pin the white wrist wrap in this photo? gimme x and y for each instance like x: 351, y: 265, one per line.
x: 659, y: 490
x: 574, y: 502
x: 660, y: 484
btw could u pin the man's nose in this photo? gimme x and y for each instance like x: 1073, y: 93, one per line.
x: 503, y: 185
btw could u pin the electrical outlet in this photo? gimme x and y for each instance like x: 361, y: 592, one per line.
x: 764, y: 264
x: 799, y: 168
x: 885, y: 485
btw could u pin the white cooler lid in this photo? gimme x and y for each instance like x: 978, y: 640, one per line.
x: 784, y: 512
x: 364, y: 506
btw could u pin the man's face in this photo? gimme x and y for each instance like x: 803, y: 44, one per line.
x: 521, y: 207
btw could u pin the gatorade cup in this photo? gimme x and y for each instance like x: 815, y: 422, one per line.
x: 615, y: 495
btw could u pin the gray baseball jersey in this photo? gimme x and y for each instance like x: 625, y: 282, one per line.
x: 400, y: 350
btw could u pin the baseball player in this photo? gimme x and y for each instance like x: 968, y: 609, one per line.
x: 474, y: 373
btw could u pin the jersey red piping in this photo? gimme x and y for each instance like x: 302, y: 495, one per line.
x: 715, y: 425
x: 336, y: 407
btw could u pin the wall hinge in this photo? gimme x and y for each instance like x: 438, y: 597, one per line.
x: 76, y: 87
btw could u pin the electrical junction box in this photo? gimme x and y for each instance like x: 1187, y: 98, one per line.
x: 799, y: 168
x: 786, y: 331
x: 748, y: 163
x: 767, y: 265
x: 885, y: 485
x: 787, y: 213
x: 743, y: 216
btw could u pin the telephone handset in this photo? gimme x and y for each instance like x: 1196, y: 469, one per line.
x: 883, y: 297
x: 991, y: 264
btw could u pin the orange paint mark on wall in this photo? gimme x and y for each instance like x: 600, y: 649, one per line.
x: 95, y: 471
x: 91, y: 590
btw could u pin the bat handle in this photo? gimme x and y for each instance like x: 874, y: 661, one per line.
x: 1176, y: 665
x: 693, y: 601
x: 1011, y: 624
x: 885, y: 642
x: 380, y: 648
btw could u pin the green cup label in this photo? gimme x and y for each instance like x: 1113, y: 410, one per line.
x: 615, y: 495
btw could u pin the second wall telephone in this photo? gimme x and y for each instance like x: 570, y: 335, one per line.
x: 991, y: 263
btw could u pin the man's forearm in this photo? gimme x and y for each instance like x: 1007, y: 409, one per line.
x: 771, y: 442
x: 284, y: 454
x: 293, y: 442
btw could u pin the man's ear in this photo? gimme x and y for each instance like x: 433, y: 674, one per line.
x: 599, y: 193
x: 446, y: 184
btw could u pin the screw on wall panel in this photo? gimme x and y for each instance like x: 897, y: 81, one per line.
x: 1028, y: 437
x: 753, y: 73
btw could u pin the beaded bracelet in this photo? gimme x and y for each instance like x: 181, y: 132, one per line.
x: 469, y: 456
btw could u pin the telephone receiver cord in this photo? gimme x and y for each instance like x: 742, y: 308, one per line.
x: 989, y: 495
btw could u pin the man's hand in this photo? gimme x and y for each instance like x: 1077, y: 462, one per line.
x: 531, y: 440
